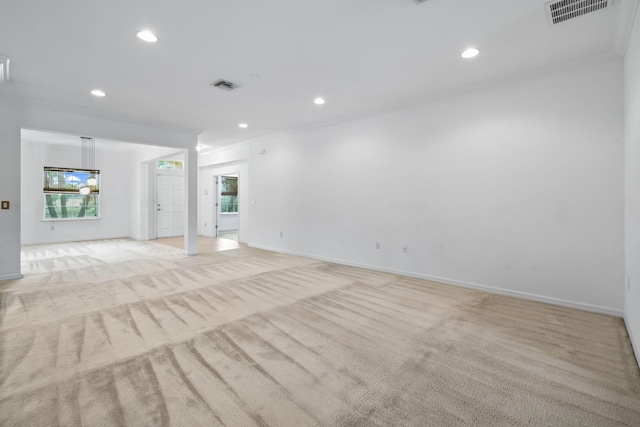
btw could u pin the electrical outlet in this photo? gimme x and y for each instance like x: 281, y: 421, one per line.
x: 281, y: 234
x: 377, y: 245
x: 405, y: 249
x: 53, y: 227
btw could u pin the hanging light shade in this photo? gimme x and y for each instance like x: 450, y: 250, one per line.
x: 88, y: 161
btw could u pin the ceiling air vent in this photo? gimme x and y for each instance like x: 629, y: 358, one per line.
x: 563, y: 10
x: 224, y: 84
x: 4, y: 69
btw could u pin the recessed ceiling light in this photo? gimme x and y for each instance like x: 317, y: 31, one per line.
x: 243, y: 125
x: 147, y: 36
x: 97, y: 92
x: 318, y: 101
x: 470, y: 53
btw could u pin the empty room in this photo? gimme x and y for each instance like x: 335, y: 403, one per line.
x: 334, y: 213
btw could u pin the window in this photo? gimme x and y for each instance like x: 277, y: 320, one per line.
x: 62, y: 197
x: 229, y: 194
x: 169, y: 164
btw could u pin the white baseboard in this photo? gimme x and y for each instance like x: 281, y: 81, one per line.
x: 635, y: 344
x: 11, y: 277
x: 502, y: 291
x: 63, y: 240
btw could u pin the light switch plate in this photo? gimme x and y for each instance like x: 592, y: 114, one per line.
x: 5, y: 204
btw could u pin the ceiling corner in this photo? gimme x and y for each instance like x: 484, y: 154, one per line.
x: 627, y: 16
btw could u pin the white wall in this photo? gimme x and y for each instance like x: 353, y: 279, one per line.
x: 228, y: 221
x: 517, y: 189
x: 118, y: 172
x: 632, y: 187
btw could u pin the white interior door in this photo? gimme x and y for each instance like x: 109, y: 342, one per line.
x: 169, y: 198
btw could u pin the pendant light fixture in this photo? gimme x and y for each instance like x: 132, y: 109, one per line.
x: 89, y: 163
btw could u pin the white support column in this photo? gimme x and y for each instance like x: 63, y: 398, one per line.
x: 10, y: 119
x: 191, y: 201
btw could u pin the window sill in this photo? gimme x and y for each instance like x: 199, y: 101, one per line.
x: 70, y: 219
x: 228, y: 213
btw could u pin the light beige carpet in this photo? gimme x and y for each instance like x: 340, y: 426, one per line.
x: 114, y: 333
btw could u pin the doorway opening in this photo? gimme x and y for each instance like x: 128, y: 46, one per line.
x: 226, y: 207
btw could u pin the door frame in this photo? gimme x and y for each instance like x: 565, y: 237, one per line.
x: 148, y: 212
x: 166, y: 172
x: 217, y: 202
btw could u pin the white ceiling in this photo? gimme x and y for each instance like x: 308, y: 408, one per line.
x: 361, y: 55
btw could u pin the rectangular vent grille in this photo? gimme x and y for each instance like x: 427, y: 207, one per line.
x: 224, y: 84
x: 563, y: 10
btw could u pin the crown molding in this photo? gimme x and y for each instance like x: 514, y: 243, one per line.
x: 517, y: 77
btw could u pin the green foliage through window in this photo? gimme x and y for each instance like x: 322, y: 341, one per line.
x: 229, y: 204
x: 228, y: 194
x: 70, y: 206
x: 169, y: 164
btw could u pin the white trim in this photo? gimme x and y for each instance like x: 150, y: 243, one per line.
x: 565, y: 66
x: 75, y: 218
x: 524, y: 295
x: 100, y: 115
x: 11, y: 277
x: 222, y: 148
